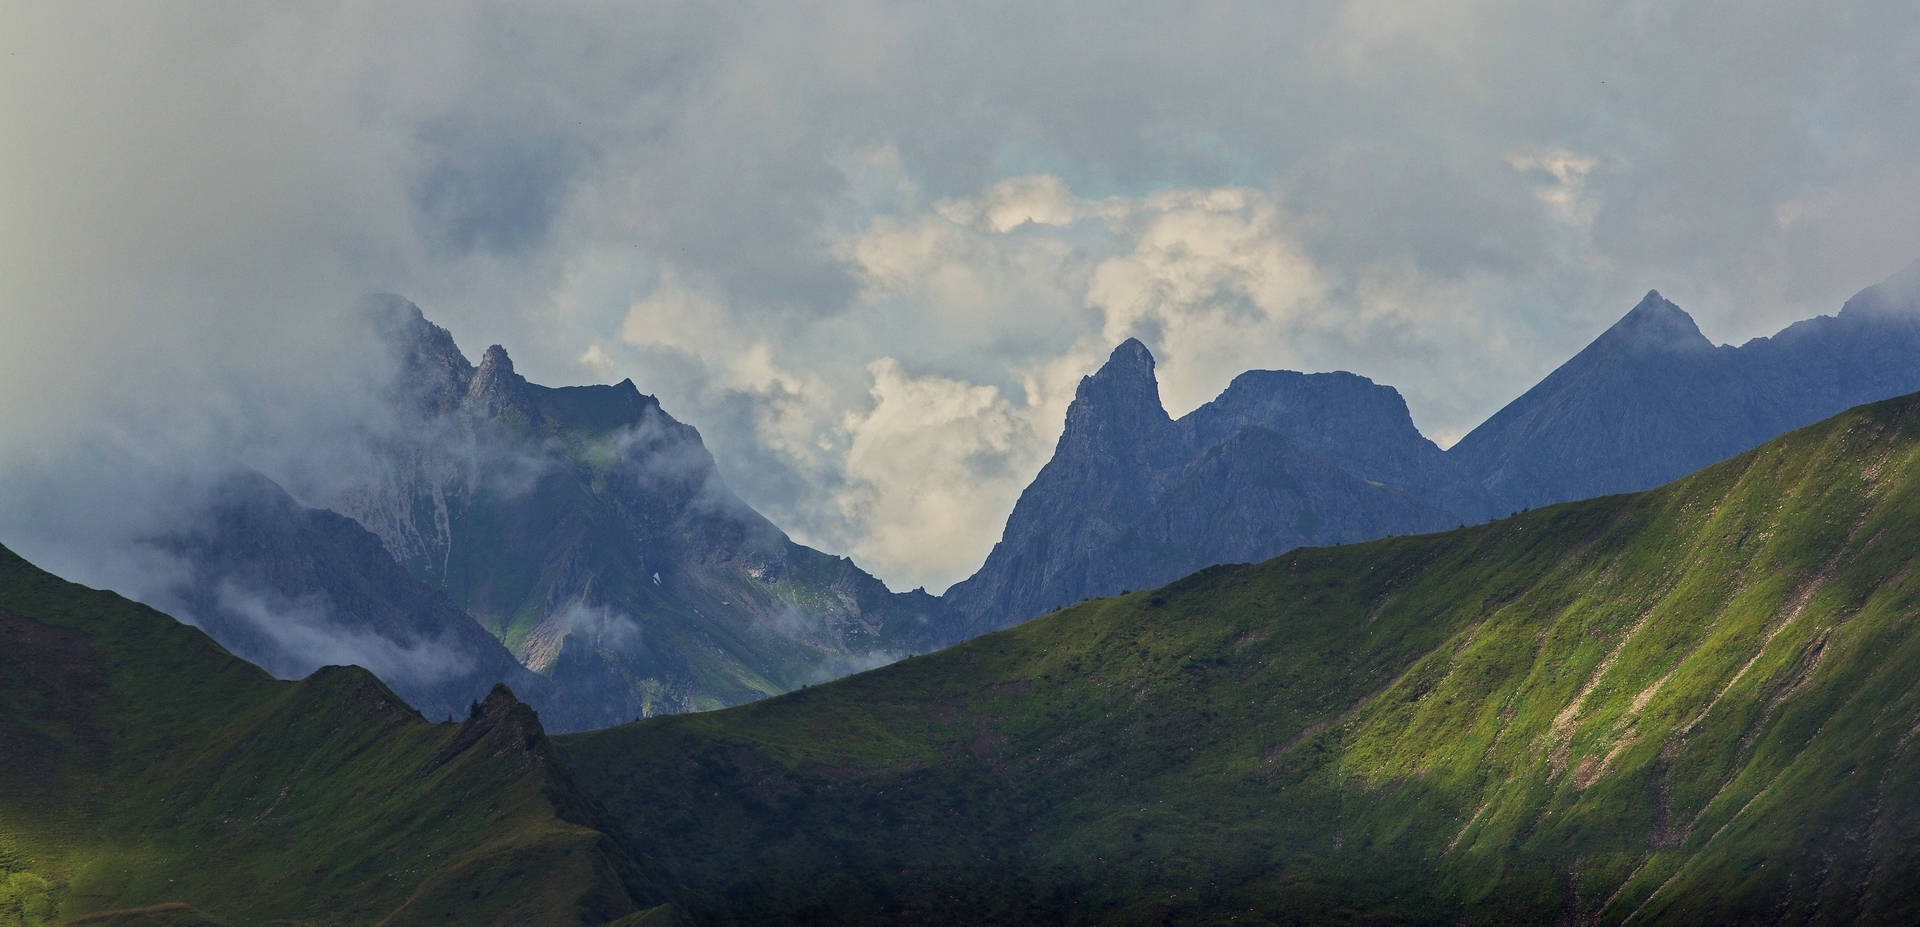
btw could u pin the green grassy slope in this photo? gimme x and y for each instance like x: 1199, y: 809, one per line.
x: 147, y: 777
x: 1692, y: 705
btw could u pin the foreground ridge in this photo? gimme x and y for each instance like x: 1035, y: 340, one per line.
x: 148, y: 777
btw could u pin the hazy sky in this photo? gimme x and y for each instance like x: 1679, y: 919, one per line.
x: 869, y: 248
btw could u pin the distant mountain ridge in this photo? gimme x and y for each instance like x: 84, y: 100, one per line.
x: 591, y: 533
x: 1652, y: 399
x: 1133, y: 498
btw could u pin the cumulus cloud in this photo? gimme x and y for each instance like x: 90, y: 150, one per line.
x: 1206, y: 269
x: 930, y: 469
x: 804, y: 226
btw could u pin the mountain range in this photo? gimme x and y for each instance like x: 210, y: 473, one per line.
x: 1652, y: 399
x: 1693, y: 705
x: 612, y: 574
x: 581, y: 531
x: 1133, y: 499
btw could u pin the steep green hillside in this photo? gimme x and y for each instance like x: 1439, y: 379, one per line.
x: 1692, y: 705
x: 147, y: 777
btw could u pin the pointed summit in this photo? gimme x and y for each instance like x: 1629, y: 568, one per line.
x: 495, y: 385
x: 1130, y: 354
x: 1122, y: 393
x: 1656, y: 324
x: 496, y: 359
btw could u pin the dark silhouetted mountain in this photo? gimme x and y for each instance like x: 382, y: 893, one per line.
x: 292, y: 589
x: 591, y: 532
x: 1133, y: 499
x: 1652, y: 399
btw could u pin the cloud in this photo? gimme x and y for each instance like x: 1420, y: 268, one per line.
x: 930, y: 470
x: 747, y: 206
x: 299, y: 635
x: 1208, y: 268
x: 1041, y: 199
x: 602, y: 627
x: 1214, y: 279
x: 1567, y: 194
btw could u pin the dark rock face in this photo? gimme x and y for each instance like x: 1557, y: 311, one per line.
x: 292, y: 589
x: 591, y: 533
x: 1652, y: 399
x: 1133, y: 499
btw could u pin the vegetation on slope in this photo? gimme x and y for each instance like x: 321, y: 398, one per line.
x: 1696, y: 704
x: 147, y: 777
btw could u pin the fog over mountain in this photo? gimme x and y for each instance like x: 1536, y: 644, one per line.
x: 870, y: 252
x: 577, y: 543
x: 291, y: 589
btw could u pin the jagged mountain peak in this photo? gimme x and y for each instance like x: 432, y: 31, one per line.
x: 1123, y: 392
x: 431, y: 374
x: 1129, y: 367
x: 563, y: 518
x: 1132, y: 498
x: 496, y: 359
x: 496, y: 370
x: 1130, y: 353
x: 1652, y: 399
x: 496, y: 387
x: 1655, y: 324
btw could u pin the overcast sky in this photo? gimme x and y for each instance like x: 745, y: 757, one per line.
x: 869, y: 248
